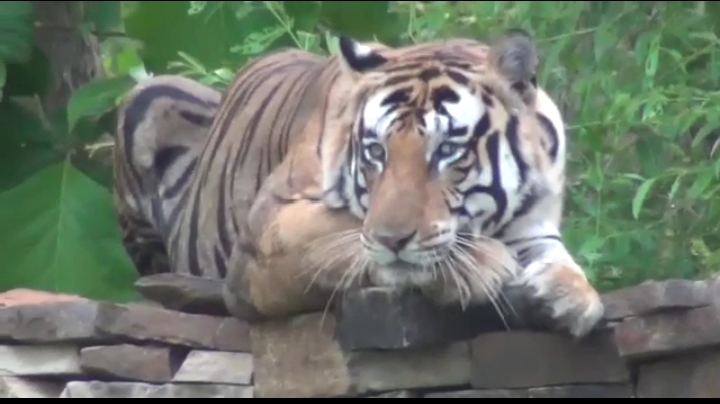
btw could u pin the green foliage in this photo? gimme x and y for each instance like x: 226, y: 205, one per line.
x: 636, y: 82
x: 59, y: 233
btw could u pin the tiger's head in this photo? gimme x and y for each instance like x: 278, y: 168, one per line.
x: 420, y: 161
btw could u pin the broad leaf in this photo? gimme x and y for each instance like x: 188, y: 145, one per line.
x: 105, y: 15
x: 58, y: 233
x: 16, y: 27
x: 96, y: 97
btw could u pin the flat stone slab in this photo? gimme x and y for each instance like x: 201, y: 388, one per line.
x: 572, y: 391
x: 664, y: 334
x: 97, y: 389
x: 506, y: 360
x: 688, y: 376
x: 384, y: 318
x: 216, y: 367
x: 189, y: 294
x: 18, y: 387
x: 41, y: 317
x: 655, y: 296
x: 143, y: 323
x: 128, y: 362
x: 27, y: 360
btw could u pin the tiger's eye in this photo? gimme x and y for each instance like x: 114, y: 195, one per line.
x: 447, y: 149
x: 376, y: 151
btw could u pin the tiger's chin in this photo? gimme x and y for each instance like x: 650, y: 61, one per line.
x: 464, y: 283
x: 401, y: 275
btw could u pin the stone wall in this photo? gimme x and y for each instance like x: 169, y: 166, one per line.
x: 662, y: 339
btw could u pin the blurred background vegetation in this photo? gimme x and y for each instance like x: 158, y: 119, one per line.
x: 637, y: 82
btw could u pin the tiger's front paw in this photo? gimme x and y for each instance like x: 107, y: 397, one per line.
x: 566, y: 294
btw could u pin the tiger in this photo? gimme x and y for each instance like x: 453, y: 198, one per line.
x: 437, y: 167
x: 161, y: 126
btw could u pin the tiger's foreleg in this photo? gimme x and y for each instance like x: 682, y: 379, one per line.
x: 551, y: 275
x: 295, y: 255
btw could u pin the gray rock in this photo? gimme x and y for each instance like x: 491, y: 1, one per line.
x: 655, y: 296
x: 216, y: 367
x: 384, y: 318
x: 397, y: 394
x: 50, y: 322
x: 97, y: 389
x: 17, y: 387
x: 128, y: 362
x: 572, y: 391
x: 299, y: 358
x: 668, y: 333
x: 691, y: 376
x: 136, y: 322
x: 26, y: 360
x: 506, y: 360
x: 410, y: 369
x: 189, y: 294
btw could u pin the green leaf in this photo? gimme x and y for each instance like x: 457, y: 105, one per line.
x: 105, y: 15
x: 362, y: 20
x: 30, y: 78
x: 58, y: 233
x: 96, y: 97
x: 641, y: 195
x: 165, y: 28
x: 702, y: 181
x: 305, y: 14
x: 16, y: 28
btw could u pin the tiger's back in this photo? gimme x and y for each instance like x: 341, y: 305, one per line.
x: 266, y: 105
x: 162, y: 125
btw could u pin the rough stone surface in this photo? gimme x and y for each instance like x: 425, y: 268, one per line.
x: 382, y: 318
x: 143, y: 323
x: 533, y: 359
x: 97, y: 389
x: 668, y: 333
x: 691, y: 376
x: 42, y: 317
x: 24, y: 360
x: 189, y: 294
x: 572, y: 391
x: 299, y: 358
x: 150, y: 364
x: 16, y: 387
x: 216, y: 367
x: 376, y: 371
x: 654, y: 296
x: 398, y: 394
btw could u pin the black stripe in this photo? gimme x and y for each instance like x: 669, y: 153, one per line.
x: 137, y: 110
x: 221, y: 224
x: 165, y: 157
x: 192, y: 243
x: 552, y: 134
x: 513, y: 137
x: 251, y: 81
x: 182, y: 182
x: 220, y: 263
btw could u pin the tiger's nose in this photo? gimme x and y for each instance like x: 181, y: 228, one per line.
x: 395, y: 242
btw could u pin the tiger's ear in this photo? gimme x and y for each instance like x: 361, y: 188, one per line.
x: 358, y: 57
x: 515, y: 56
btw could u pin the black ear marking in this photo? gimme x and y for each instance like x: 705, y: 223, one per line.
x: 359, y: 57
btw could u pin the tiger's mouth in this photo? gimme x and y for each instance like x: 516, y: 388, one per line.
x: 402, y: 265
